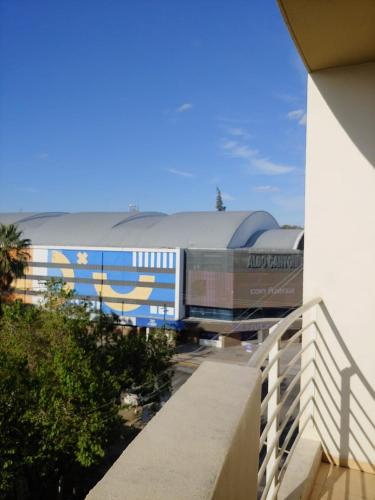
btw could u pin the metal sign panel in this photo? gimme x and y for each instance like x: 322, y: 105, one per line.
x: 243, y: 279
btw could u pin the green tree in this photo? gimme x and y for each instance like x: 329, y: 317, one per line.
x: 290, y: 226
x: 14, y: 254
x: 72, y: 409
x: 61, y: 376
x: 140, y: 365
x: 219, y: 201
x: 15, y: 402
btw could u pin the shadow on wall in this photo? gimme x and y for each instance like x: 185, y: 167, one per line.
x: 339, y: 412
x: 349, y: 93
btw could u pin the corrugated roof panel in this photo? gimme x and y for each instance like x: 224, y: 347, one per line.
x: 149, y: 229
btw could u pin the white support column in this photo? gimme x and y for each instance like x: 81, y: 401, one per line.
x: 271, y: 408
x: 308, y: 370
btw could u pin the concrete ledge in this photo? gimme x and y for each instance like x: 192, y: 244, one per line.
x: 203, y: 444
x: 300, y: 474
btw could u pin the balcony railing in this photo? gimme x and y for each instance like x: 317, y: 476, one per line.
x: 211, y: 426
x: 286, y: 406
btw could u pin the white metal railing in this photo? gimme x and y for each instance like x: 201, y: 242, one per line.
x: 277, y: 441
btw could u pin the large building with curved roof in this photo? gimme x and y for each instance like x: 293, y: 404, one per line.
x: 154, y: 269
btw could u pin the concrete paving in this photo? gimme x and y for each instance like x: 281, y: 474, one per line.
x: 189, y: 357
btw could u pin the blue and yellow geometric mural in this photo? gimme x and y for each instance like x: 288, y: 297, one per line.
x: 140, y: 286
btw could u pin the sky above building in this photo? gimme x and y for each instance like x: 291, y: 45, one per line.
x: 104, y: 104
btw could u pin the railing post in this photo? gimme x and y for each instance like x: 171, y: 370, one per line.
x: 309, y: 317
x: 271, y: 463
x: 271, y: 409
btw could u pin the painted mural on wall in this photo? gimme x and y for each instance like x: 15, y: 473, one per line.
x: 142, y: 287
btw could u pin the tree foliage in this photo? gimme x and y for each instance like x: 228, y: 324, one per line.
x: 290, y: 226
x: 14, y: 254
x: 15, y: 391
x: 219, y: 201
x: 61, y: 375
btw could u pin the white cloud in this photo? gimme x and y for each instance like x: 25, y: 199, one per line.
x: 238, y: 132
x: 285, y: 97
x: 234, y: 120
x: 238, y: 150
x: 229, y: 145
x: 43, y: 156
x: 181, y: 173
x: 303, y: 120
x: 271, y: 168
x: 266, y: 189
x: 184, y: 107
x: 298, y: 115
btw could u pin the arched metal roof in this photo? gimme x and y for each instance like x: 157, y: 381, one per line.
x: 143, y: 229
x: 279, y: 239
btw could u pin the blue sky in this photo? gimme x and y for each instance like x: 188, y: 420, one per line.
x: 108, y: 103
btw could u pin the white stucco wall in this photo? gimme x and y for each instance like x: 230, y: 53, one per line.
x: 339, y: 261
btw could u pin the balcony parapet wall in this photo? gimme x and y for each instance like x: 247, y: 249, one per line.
x: 203, y: 444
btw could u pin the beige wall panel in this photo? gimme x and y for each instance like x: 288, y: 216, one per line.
x: 340, y: 256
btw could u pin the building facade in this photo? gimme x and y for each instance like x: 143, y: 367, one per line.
x: 158, y: 270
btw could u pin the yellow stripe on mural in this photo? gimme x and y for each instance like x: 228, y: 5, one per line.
x: 138, y: 292
x: 59, y: 258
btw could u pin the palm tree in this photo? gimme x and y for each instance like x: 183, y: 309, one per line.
x: 14, y: 255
